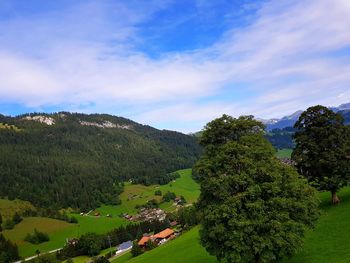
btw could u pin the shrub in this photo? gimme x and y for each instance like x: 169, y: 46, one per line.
x: 158, y: 192
x: 37, y: 237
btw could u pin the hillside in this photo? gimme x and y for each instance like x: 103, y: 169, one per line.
x: 78, y: 160
x: 328, y: 242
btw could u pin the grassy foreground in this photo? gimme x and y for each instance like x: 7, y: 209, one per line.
x: 327, y: 243
x: 183, y: 249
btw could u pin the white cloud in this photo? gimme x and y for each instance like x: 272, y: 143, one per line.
x: 289, y: 56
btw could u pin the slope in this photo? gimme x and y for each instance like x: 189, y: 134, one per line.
x: 77, y: 160
x: 328, y: 242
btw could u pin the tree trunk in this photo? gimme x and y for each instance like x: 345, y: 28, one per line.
x: 257, y: 258
x: 335, y: 198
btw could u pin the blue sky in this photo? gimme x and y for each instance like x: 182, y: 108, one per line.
x: 173, y: 64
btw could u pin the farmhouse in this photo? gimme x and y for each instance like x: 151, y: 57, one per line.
x: 143, y: 241
x: 158, y: 238
x: 163, y: 236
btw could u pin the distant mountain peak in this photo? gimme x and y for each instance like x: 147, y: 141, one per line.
x: 289, y: 120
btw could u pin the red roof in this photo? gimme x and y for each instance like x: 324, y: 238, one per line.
x: 164, y: 234
x: 143, y: 241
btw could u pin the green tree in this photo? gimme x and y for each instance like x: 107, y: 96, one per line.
x: 16, y: 218
x: 0, y: 222
x: 151, y: 245
x: 136, y: 249
x: 321, y: 152
x: 158, y: 192
x: 254, y: 208
x: 8, y: 250
x: 90, y: 244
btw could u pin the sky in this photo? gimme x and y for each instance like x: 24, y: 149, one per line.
x: 174, y: 64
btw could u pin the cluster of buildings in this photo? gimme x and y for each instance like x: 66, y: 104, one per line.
x: 157, y: 239
x: 147, y: 214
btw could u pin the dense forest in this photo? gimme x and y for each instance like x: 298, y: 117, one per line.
x: 80, y: 160
x: 281, y: 138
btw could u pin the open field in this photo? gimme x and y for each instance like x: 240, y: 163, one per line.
x: 58, y: 231
x: 185, y: 248
x: 139, y: 194
x: 284, y: 153
x: 328, y: 242
x: 9, y: 208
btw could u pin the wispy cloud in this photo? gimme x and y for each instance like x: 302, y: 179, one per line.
x: 292, y: 54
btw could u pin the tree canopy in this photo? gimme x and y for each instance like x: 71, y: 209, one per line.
x: 254, y: 208
x: 322, y: 149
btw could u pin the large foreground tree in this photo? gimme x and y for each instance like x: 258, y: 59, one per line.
x: 254, y: 208
x: 322, y: 149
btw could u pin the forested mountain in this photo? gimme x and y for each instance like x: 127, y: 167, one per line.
x: 78, y: 160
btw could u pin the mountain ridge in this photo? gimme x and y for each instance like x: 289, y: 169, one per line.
x: 80, y: 160
x: 289, y: 120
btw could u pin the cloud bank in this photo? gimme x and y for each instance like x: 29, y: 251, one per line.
x: 87, y: 57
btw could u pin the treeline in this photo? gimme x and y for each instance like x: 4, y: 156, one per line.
x: 8, y: 250
x: 71, y: 165
x: 281, y: 138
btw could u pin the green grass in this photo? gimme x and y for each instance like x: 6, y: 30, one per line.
x: 185, y: 248
x: 9, y: 208
x: 327, y: 243
x: 284, y: 153
x: 58, y: 231
x: 135, y: 194
x: 123, y: 258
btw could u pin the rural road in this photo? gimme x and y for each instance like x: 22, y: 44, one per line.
x: 30, y: 258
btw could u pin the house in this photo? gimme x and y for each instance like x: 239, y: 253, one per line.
x: 143, y: 241
x: 164, y: 235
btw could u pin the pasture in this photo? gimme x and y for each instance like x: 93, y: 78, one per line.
x: 185, y: 248
x: 284, y: 153
x: 328, y: 242
x: 58, y: 231
x: 135, y: 194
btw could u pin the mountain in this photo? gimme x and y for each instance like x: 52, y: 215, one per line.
x: 289, y: 121
x: 78, y: 160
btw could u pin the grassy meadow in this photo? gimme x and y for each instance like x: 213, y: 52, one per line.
x: 327, y: 243
x: 135, y: 194
x: 284, y: 153
x: 185, y: 248
x: 58, y: 231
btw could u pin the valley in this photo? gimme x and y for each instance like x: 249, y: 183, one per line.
x: 59, y: 230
